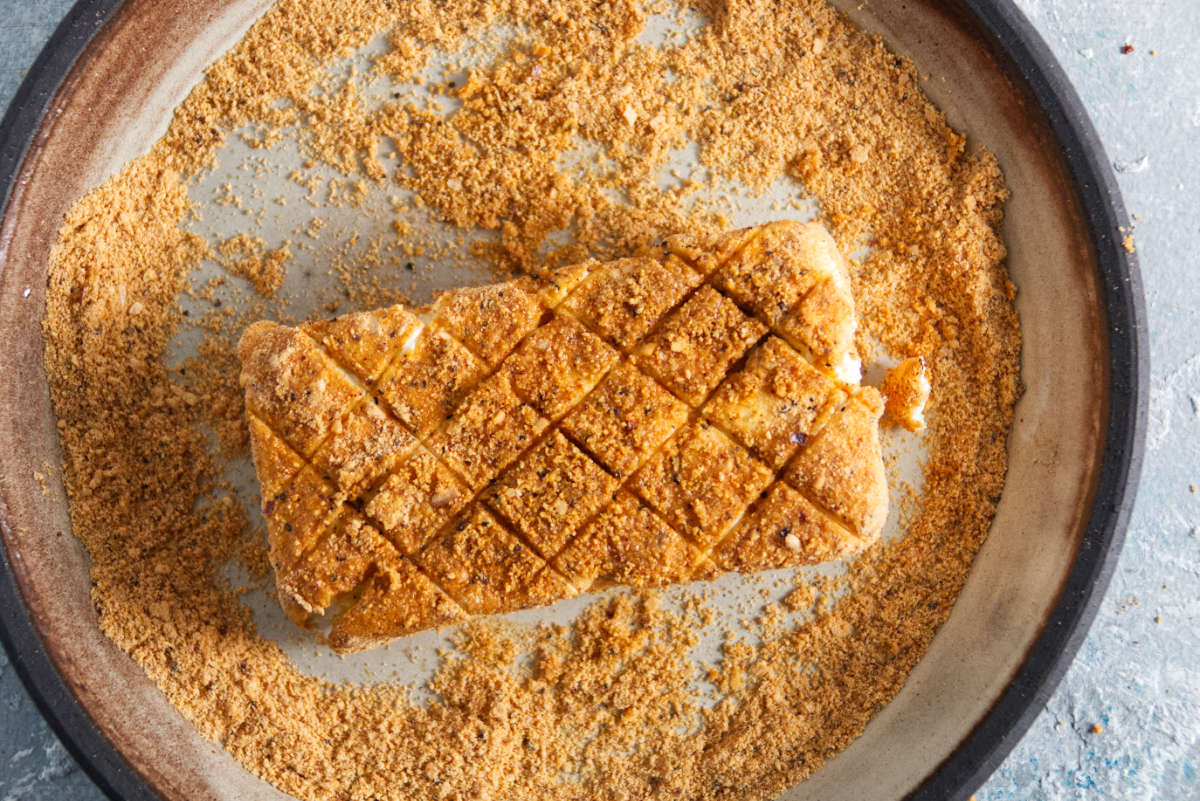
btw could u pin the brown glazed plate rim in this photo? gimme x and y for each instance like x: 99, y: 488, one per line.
x: 1029, y: 64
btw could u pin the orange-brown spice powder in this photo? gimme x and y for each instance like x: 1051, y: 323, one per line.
x: 769, y: 92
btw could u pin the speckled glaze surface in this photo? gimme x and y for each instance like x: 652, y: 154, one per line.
x: 114, y: 104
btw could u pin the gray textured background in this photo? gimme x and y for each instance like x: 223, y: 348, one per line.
x: 1138, y: 675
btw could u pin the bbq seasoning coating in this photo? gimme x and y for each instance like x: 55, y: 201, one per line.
x: 545, y: 477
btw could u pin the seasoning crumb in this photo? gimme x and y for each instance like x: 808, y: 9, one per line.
x: 906, y: 389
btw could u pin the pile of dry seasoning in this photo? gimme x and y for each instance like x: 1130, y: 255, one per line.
x: 770, y: 91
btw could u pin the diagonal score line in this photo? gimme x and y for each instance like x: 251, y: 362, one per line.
x: 345, y: 506
x: 709, y: 278
x: 555, y: 422
x: 353, y: 504
x: 853, y: 400
x: 386, y: 408
x: 696, y: 413
x: 348, y: 510
x: 358, y: 504
x: 554, y: 426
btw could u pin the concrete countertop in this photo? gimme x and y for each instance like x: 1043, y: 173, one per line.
x: 1125, y: 722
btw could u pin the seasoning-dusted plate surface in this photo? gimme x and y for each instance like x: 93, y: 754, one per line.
x: 110, y: 112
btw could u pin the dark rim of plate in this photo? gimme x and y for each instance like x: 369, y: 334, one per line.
x: 1027, y: 60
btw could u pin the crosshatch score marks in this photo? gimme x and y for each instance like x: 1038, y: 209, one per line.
x: 648, y: 421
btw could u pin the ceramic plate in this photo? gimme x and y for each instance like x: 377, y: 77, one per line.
x: 93, y: 101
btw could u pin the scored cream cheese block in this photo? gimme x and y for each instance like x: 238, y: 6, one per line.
x: 658, y: 419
